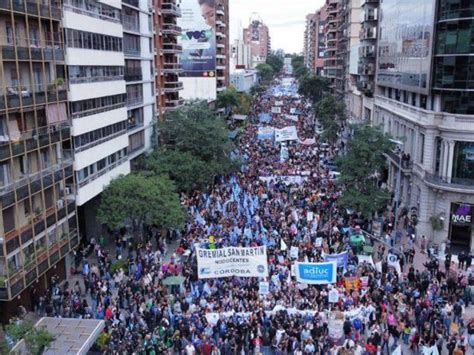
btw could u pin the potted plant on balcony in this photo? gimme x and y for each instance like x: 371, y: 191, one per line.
x: 58, y: 84
x: 3, y: 281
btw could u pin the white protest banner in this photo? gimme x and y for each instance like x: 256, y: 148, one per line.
x: 294, y: 252
x: 392, y: 260
x: 293, y: 110
x: 309, y: 216
x: 335, y: 328
x: 263, y: 288
x: 286, y: 134
x: 308, y: 141
x: 333, y: 296
x: 366, y: 259
x: 293, y: 118
x: 212, y: 318
x: 288, y: 179
x: 232, y: 261
x: 278, y: 103
x: 265, y: 133
x: 318, y: 242
x: 283, y: 245
x: 276, y: 109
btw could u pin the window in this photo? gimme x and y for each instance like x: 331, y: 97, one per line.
x: 92, y: 106
x: 98, y: 135
x: 34, y: 36
x: 26, y: 207
x: 9, y: 32
x: 5, y: 174
x: 421, y: 148
x: 463, y: 163
x: 95, y: 41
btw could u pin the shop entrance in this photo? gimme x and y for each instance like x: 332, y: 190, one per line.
x: 460, y: 228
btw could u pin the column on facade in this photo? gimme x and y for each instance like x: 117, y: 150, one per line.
x: 429, y: 150
x: 442, y: 163
x: 449, y: 173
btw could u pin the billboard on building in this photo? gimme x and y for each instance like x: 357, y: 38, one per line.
x: 405, y: 44
x: 198, y: 38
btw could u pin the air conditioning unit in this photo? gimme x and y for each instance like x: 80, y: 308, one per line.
x: 67, y: 191
x: 59, y: 204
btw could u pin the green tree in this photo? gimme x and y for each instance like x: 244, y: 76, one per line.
x: 331, y: 113
x: 36, y: 339
x: 197, y: 130
x: 228, y: 98
x: 313, y: 87
x: 141, y: 200
x: 245, y: 102
x: 265, y: 72
x: 297, y: 62
x: 300, y: 72
x: 276, y: 62
x: 188, y: 171
x: 257, y: 89
x: 359, y: 167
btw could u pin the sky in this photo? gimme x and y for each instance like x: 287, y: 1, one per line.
x: 285, y: 19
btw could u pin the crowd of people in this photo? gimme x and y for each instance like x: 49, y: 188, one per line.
x: 285, y: 198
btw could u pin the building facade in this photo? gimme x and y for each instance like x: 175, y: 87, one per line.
x: 424, y: 99
x: 257, y: 36
x: 95, y: 59
x: 38, y: 223
x: 222, y: 44
x: 315, y: 44
x: 139, y: 74
x: 167, y: 50
x: 333, y: 62
x: 241, y: 55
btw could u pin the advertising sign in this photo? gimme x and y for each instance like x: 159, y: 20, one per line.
x: 198, y: 38
x: 461, y: 214
x: 316, y: 273
x: 232, y: 261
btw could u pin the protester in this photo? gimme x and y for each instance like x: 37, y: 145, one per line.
x: 287, y: 202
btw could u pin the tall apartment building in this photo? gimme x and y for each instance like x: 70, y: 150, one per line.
x: 139, y: 71
x: 241, y: 55
x: 38, y: 224
x: 315, y: 43
x: 222, y: 44
x: 98, y: 98
x: 257, y: 36
x: 351, y: 32
x: 167, y: 50
x: 333, y: 63
x: 367, y: 56
x: 424, y: 98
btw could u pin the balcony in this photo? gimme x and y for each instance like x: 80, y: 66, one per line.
x: 32, y: 8
x: 29, y: 95
x: 369, y: 33
x: 449, y: 183
x: 171, y: 9
x: 131, y: 23
x: 172, y: 48
x: 172, y: 104
x: 132, y: 52
x: 134, y: 3
x: 172, y: 68
x: 171, y: 29
x: 173, y: 86
x: 134, y: 101
x: 396, y: 157
x: 133, y: 75
x: 48, y: 53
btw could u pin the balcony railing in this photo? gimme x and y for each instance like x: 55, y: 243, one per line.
x: 130, y: 23
x: 396, y: 157
x: 133, y: 75
x: 174, y: 103
x: 173, y: 86
x: 171, y: 29
x: 134, y: 3
x: 32, y: 53
x: 449, y: 182
x: 172, y: 68
x: 172, y: 48
x: 132, y: 52
x: 170, y: 9
x: 32, y: 8
x: 27, y: 95
x: 133, y: 101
